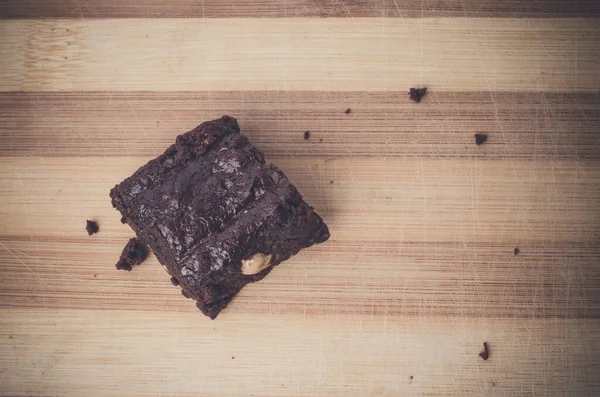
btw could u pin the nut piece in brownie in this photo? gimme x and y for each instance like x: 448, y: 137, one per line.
x: 216, y: 215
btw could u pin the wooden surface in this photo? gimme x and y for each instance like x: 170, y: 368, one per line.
x: 420, y: 268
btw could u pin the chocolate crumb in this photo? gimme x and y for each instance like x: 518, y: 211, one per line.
x: 134, y: 253
x: 91, y: 227
x: 330, y: 182
x: 348, y: 111
x: 320, y: 139
x: 411, y: 377
x: 307, y: 135
x: 417, y: 93
x: 174, y: 281
x: 516, y: 251
x: 485, y: 354
x: 95, y: 275
x: 480, y: 138
x: 232, y: 357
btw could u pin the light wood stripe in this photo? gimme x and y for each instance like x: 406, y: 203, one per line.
x: 461, y: 200
x: 296, y: 8
x: 519, y: 125
x: 410, y: 279
x: 447, y: 54
x: 308, y: 356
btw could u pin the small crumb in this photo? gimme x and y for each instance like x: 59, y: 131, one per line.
x: 233, y: 357
x: 330, y: 182
x: 307, y: 135
x: 411, y: 377
x: 10, y: 337
x: 91, y: 227
x: 348, y: 111
x: 480, y: 138
x: 134, y: 253
x: 95, y: 275
x: 485, y: 354
x: 174, y: 281
x: 66, y: 57
x: 417, y: 93
x: 516, y: 251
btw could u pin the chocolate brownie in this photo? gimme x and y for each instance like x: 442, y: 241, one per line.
x: 91, y: 227
x: 485, y: 354
x: 480, y: 138
x: 417, y: 93
x: 216, y: 215
x: 134, y: 253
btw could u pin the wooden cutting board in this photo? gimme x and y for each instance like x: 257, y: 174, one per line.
x: 420, y: 269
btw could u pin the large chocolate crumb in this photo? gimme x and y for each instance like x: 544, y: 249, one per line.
x: 134, y: 253
x: 91, y: 227
x: 485, y: 354
x: 307, y: 135
x: 480, y: 138
x: 348, y: 111
x: 417, y: 93
x: 516, y: 251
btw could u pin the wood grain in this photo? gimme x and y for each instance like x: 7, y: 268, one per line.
x: 433, y: 236
x: 399, y: 200
x: 420, y: 269
x: 361, y: 278
x: 20, y: 9
x: 525, y: 126
x: 365, y: 54
x: 304, y: 355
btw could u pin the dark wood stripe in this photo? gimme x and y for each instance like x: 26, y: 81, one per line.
x: 22, y: 9
x: 519, y: 125
x: 474, y: 280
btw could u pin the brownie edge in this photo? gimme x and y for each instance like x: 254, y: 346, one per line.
x: 215, y: 214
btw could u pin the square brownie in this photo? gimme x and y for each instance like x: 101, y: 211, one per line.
x: 216, y: 215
